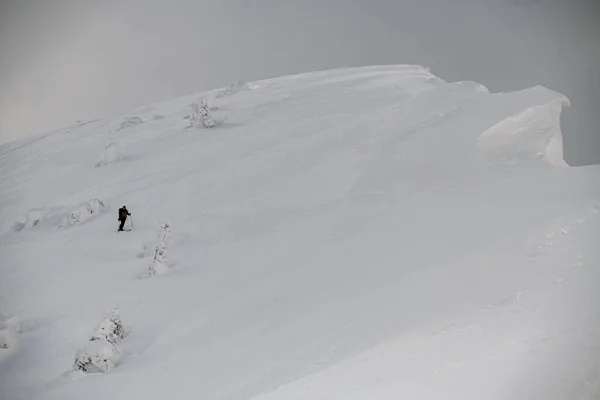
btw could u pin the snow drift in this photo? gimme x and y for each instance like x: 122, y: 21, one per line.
x: 109, y: 155
x: 359, y: 233
x: 533, y: 133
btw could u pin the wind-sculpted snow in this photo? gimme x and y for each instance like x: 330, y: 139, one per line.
x: 109, y: 155
x: 532, y: 133
x: 362, y: 233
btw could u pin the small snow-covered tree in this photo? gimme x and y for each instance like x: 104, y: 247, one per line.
x: 200, y: 115
x: 97, y: 356
x: 101, y: 353
x: 110, y: 329
x: 157, y: 266
x: 164, y: 230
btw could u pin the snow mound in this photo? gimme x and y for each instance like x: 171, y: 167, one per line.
x: 60, y: 216
x: 109, y: 155
x: 9, y: 329
x: 533, y: 133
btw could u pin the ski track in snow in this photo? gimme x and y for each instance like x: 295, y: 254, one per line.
x: 360, y: 233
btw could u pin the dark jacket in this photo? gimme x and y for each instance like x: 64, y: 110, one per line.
x: 123, y: 213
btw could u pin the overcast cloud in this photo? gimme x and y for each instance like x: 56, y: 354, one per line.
x: 68, y: 60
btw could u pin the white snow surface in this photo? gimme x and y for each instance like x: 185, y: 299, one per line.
x: 9, y: 330
x: 365, y: 233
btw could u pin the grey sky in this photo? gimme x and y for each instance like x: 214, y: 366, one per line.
x: 68, y: 60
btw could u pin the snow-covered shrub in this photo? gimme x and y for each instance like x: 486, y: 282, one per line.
x: 200, y: 115
x: 101, y: 354
x: 131, y: 121
x: 110, y: 329
x: 97, y: 356
x: 35, y: 216
x: 84, y: 210
x: 164, y: 230
x: 232, y: 89
x: 109, y: 155
x: 157, y: 267
x: 9, y: 329
x: 156, y: 117
x: 60, y: 216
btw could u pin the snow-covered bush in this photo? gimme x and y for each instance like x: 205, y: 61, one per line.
x: 60, y: 216
x: 232, y: 89
x: 110, y: 329
x: 131, y: 121
x: 200, y: 115
x: 156, y: 117
x: 157, y: 267
x: 97, y: 356
x: 109, y: 155
x: 9, y: 329
x: 164, y: 230
x: 84, y: 210
x: 101, y: 353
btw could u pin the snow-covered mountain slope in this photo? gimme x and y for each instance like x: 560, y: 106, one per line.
x: 372, y: 233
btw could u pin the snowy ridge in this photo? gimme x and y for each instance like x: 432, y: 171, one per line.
x: 365, y: 233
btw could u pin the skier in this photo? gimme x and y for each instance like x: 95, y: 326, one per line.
x: 123, y: 213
